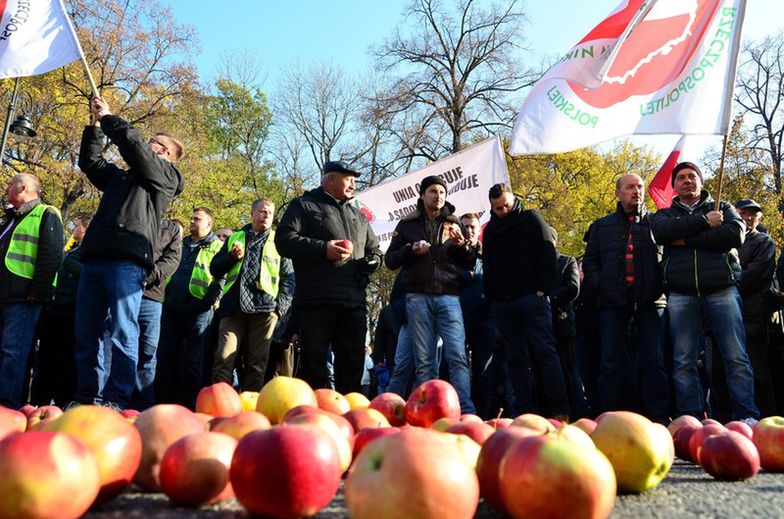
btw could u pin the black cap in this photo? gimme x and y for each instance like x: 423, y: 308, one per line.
x: 747, y: 203
x: 338, y: 166
x: 686, y: 165
x: 429, y: 181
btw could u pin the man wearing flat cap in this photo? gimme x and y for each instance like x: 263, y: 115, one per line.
x: 334, y: 251
x: 701, y: 273
x: 429, y: 245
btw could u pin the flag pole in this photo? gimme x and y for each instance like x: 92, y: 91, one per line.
x: 721, y: 172
x: 89, y: 74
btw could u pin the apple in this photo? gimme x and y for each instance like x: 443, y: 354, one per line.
x: 695, y: 442
x: 479, y: 432
x: 414, y: 473
x: 575, y: 435
x: 741, y: 427
x: 769, y: 439
x: 42, y: 415
x: 729, y: 455
x: 219, y: 399
x: 325, y: 423
x: 470, y: 417
x: 346, y: 244
x: 286, y: 471
x: 346, y: 428
x: 499, y: 423
x: 363, y: 417
x: 298, y: 410
x: 160, y: 426
x: 681, y: 421
x: 710, y: 421
x: 27, y: 409
x: 357, y: 400
x: 489, y: 462
x: 430, y: 401
x: 11, y: 421
x: 195, y: 469
x: 46, y: 475
x: 129, y: 414
x: 249, y: 400
x: 681, y: 441
x: 467, y: 447
x: 332, y: 401
x: 640, y: 451
x: 535, y: 422
x: 367, y: 435
x: 240, y: 424
x: 281, y: 394
x: 547, y: 476
x: 586, y: 425
x: 555, y: 423
x: 442, y: 424
x: 116, y: 444
x: 392, y: 406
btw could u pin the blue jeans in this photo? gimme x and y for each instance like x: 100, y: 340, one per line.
x: 722, y: 312
x: 18, y: 329
x: 527, y: 323
x: 149, y: 333
x: 430, y: 316
x: 649, y: 348
x: 108, y: 301
x: 403, y: 374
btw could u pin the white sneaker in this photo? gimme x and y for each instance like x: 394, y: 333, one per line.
x: 751, y: 422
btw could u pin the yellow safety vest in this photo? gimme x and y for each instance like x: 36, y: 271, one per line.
x: 201, y: 276
x: 269, y: 266
x: 23, y: 249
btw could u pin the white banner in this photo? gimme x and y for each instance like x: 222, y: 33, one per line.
x: 469, y: 174
x: 36, y: 36
x: 665, y: 66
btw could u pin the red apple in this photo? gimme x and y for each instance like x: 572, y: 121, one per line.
x: 298, y: 410
x: 414, y: 473
x: 116, y: 444
x: 240, y: 424
x: 442, y: 424
x: 160, y: 426
x: 698, y: 437
x: 769, y: 439
x: 489, y: 462
x: 286, y: 471
x: 332, y: 401
x: 392, y: 406
x: 535, y: 422
x: 346, y: 244
x: 499, y: 423
x: 555, y: 423
x: 367, y: 435
x: 11, y: 421
x: 470, y: 417
x: 195, y: 469
x: 345, y: 427
x: 329, y: 426
x: 586, y: 425
x: 681, y: 441
x: 129, y: 414
x: 741, y: 427
x: 42, y: 415
x: 682, y: 420
x: 430, y: 401
x: 27, y: 409
x: 363, y: 417
x: 46, y: 475
x: 544, y: 476
x: 479, y: 432
x: 710, y: 421
x: 219, y: 399
x: 729, y: 455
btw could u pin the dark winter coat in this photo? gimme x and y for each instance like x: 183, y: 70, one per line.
x: 758, y: 263
x: 564, y: 292
x: 125, y: 226
x: 168, y: 248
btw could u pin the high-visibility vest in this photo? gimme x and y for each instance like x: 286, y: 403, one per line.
x: 200, y: 275
x: 23, y: 249
x: 269, y: 266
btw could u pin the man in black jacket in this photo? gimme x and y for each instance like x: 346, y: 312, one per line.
x: 334, y: 251
x: 519, y: 264
x: 701, y: 273
x: 429, y: 245
x: 118, y: 250
x: 31, y: 245
x: 621, y: 266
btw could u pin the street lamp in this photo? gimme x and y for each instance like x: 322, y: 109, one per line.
x: 21, y: 125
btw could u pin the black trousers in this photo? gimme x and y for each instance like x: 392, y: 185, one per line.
x: 341, y: 329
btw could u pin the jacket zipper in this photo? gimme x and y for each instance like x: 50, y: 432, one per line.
x: 696, y: 277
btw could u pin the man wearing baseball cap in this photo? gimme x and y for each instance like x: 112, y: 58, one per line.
x: 334, y: 251
x: 701, y: 274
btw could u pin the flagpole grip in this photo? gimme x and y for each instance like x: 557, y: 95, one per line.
x: 721, y: 172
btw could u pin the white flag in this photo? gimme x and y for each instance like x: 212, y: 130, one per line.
x: 653, y: 66
x: 36, y: 36
x: 469, y: 175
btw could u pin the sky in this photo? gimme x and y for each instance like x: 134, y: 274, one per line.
x: 282, y: 33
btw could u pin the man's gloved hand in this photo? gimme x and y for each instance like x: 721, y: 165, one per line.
x: 368, y: 265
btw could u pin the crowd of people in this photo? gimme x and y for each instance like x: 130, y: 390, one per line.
x: 667, y: 313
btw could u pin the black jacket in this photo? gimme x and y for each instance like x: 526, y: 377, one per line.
x: 125, y: 226
x: 707, y: 261
x: 436, y: 272
x: 758, y: 263
x: 387, y: 332
x: 564, y: 292
x: 168, y: 248
x: 518, y: 255
x: 15, y: 289
x: 604, y: 264
x: 178, y: 297
x: 308, y: 224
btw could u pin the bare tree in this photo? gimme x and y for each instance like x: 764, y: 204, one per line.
x: 457, y: 67
x: 759, y: 92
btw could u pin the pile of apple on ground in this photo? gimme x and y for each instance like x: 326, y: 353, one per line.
x: 282, y: 453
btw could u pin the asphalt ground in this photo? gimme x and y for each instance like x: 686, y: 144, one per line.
x: 686, y: 492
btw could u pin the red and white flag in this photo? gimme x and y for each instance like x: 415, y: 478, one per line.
x: 36, y: 36
x: 660, y: 188
x: 650, y: 67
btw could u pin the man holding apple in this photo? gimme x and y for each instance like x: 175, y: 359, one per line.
x: 334, y: 251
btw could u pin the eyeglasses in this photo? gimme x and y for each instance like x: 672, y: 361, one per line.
x: 159, y: 143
